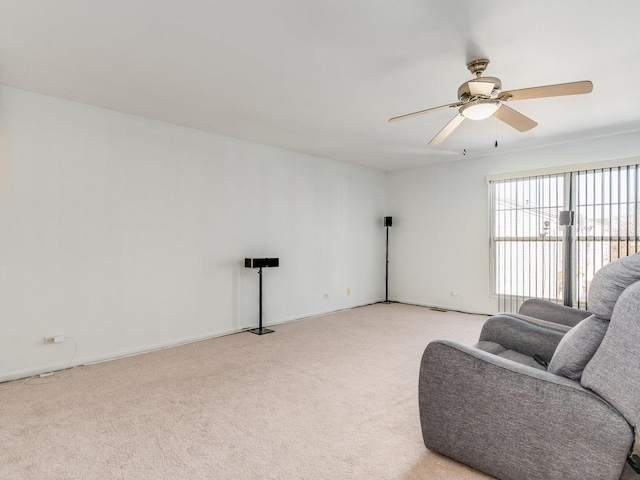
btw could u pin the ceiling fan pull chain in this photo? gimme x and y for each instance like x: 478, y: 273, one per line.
x: 464, y: 137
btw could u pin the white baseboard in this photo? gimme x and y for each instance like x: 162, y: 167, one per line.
x: 443, y: 307
x: 32, y: 372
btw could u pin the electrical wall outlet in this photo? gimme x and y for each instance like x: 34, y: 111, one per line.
x: 56, y: 339
x: 349, y: 291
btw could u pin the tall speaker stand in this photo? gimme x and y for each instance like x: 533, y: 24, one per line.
x: 386, y: 273
x: 260, y: 330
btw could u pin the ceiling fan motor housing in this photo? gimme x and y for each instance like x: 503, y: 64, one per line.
x: 483, y: 87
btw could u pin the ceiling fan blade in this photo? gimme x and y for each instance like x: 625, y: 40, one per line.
x: 421, y: 112
x: 480, y: 87
x: 514, y: 119
x: 561, y: 89
x: 447, y: 130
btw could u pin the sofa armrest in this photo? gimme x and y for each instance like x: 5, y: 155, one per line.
x: 558, y: 327
x: 513, y: 421
x: 521, y: 336
x: 553, y: 312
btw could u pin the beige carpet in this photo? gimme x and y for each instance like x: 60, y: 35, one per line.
x: 333, y: 397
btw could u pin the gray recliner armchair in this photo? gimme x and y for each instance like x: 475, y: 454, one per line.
x: 495, y: 408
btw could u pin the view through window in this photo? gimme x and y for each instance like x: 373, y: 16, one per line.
x: 528, y: 243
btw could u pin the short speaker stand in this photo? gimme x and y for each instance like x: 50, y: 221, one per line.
x: 260, y: 330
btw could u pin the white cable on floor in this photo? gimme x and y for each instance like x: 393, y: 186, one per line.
x: 49, y: 374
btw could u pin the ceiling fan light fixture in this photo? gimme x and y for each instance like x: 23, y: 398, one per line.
x: 479, y: 109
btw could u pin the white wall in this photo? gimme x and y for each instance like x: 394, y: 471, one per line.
x: 440, y: 236
x: 129, y: 234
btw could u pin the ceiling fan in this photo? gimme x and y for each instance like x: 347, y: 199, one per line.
x: 482, y: 97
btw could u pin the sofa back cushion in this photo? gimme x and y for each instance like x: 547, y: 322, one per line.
x: 614, y: 371
x: 610, y: 281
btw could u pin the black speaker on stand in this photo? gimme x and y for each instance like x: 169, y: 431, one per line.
x: 388, y: 222
x: 261, y: 263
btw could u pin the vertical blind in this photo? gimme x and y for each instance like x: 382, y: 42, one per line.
x: 527, y: 240
x: 606, y: 223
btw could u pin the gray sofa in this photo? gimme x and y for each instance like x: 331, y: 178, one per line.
x: 495, y: 408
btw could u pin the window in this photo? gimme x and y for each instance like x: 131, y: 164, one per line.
x: 527, y: 239
x: 534, y: 256
x: 606, y: 225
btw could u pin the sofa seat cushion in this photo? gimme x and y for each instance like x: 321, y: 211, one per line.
x: 500, y: 351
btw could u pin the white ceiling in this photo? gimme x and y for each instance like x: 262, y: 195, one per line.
x: 323, y: 76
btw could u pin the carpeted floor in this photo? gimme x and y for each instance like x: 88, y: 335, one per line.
x: 328, y: 398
